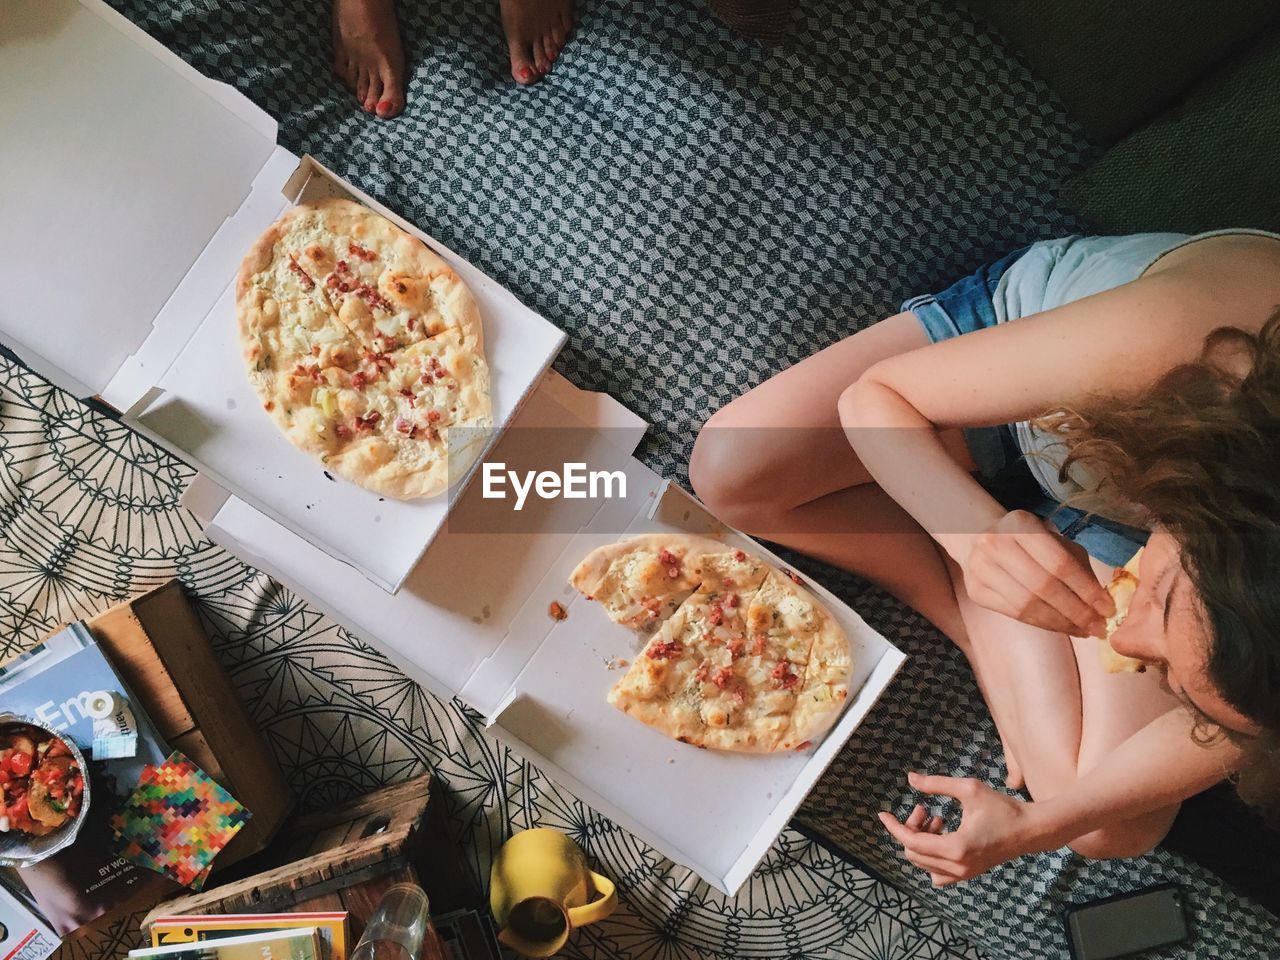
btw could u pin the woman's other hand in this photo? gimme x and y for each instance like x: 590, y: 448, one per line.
x: 1025, y: 569
x: 994, y: 828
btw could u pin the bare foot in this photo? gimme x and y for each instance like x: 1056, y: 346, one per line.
x: 368, y: 55
x: 537, y: 31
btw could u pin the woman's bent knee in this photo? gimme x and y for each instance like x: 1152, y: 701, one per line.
x: 734, y: 470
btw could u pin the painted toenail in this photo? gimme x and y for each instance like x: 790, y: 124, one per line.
x: 525, y: 74
x: 385, y: 106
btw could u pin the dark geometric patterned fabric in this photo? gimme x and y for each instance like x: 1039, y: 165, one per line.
x: 89, y: 515
x: 698, y: 213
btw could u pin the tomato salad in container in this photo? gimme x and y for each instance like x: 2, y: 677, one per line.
x: 44, y: 791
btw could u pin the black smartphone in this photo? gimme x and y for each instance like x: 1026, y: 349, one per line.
x: 1127, y: 923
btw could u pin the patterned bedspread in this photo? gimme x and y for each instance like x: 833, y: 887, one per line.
x: 698, y: 213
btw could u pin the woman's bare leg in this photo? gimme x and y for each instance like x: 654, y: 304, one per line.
x: 1060, y: 713
x: 776, y: 463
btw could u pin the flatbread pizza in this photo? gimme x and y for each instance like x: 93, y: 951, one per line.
x: 747, y: 660
x: 365, y: 347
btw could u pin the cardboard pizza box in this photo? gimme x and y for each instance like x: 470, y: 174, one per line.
x: 131, y: 187
x: 472, y: 621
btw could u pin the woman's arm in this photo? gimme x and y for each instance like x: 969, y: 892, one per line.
x: 1113, y: 344
x: 1157, y: 767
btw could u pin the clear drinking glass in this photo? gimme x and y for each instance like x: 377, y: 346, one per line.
x: 397, y: 927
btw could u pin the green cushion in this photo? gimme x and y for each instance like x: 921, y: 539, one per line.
x: 1116, y: 63
x: 1212, y: 162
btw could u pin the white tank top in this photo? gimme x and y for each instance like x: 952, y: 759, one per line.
x: 1056, y: 272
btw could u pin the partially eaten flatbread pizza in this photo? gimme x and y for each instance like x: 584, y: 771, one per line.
x: 743, y: 657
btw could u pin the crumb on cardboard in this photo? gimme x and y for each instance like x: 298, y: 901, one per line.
x: 624, y: 663
x: 557, y: 611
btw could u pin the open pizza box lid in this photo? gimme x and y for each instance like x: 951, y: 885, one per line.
x: 131, y: 187
x: 473, y: 621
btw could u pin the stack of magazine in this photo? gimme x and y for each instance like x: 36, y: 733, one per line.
x: 301, y: 944
x: 53, y: 685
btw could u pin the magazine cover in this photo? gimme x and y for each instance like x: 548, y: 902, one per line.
x: 61, y: 683
x: 23, y: 935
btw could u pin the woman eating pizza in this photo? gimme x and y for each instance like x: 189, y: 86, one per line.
x: 990, y: 455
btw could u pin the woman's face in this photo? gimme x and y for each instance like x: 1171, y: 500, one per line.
x: 1164, y: 628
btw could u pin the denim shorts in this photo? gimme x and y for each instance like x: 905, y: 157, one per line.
x: 962, y: 308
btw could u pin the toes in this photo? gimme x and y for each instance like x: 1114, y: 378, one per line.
x: 540, y: 61
x: 374, y: 94
x: 550, y: 48
x: 522, y: 65
x: 362, y: 87
x: 391, y: 103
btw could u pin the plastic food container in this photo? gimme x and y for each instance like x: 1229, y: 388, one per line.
x: 18, y: 849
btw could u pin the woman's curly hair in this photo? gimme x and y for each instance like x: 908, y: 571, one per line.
x: 1199, y: 454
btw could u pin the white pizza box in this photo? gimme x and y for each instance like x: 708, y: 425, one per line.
x: 130, y: 188
x: 472, y: 621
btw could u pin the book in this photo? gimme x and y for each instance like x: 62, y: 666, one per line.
x: 58, y: 684
x: 23, y: 934
x: 332, y: 927
x: 303, y: 944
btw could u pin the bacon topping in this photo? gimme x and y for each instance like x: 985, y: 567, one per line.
x: 722, y: 677
x: 359, y: 379
x: 403, y: 425
x: 368, y: 421
x: 665, y: 649
x: 757, y: 644
x: 311, y: 370
x: 408, y: 395
x: 373, y: 298
x: 358, y: 251
x: 716, y: 616
x: 735, y: 646
x: 342, y: 266
x: 795, y: 578
x: 342, y: 430
x: 333, y: 282
x: 703, y: 673
x: 303, y: 277
x: 739, y: 556
x: 379, y: 360
x: 434, y: 416
x: 731, y: 600
x: 670, y: 561
x: 432, y: 370
x: 783, y: 677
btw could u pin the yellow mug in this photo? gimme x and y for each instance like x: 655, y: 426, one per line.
x: 540, y: 888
